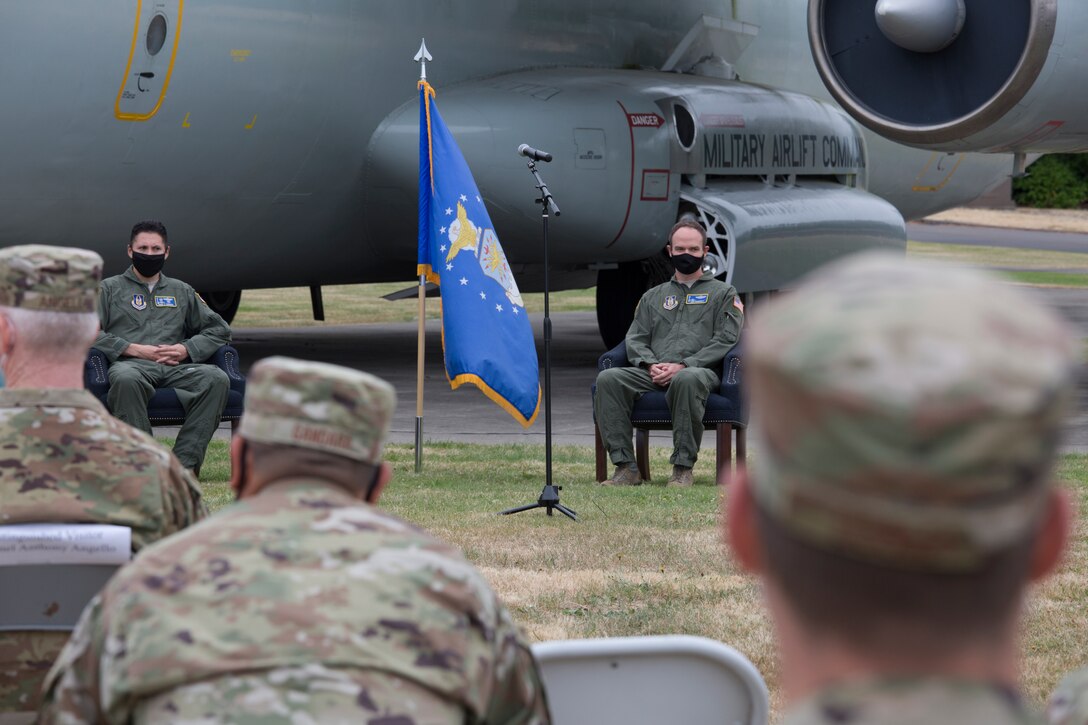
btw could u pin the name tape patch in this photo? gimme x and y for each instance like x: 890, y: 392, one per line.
x: 696, y: 300
x: 166, y: 302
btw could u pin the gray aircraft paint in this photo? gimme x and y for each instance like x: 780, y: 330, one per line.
x: 249, y: 132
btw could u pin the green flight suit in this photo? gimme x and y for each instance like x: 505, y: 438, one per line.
x: 696, y: 326
x: 171, y: 313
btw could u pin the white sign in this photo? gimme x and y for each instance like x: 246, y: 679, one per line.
x: 64, y: 544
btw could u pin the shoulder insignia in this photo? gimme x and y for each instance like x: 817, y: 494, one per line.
x: 671, y: 302
x: 737, y: 303
x: 139, y: 302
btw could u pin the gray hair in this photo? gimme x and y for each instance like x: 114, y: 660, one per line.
x: 53, y: 334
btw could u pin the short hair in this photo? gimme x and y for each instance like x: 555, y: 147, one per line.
x: 274, y: 461
x: 687, y: 224
x: 51, y: 334
x: 877, y: 608
x: 149, y: 225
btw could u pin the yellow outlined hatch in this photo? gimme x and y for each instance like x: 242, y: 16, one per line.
x: 151, y: 62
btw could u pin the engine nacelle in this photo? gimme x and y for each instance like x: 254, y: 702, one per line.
x: 778, y: 178
x: 1007, y: 76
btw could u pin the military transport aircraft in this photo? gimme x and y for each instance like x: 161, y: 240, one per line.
x: 278, y: 138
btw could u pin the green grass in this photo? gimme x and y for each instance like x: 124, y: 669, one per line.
x: 356, y: 303
x: 648, y: 559
x: 1049, y: 279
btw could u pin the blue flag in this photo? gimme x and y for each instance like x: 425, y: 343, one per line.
x: 486, y: 336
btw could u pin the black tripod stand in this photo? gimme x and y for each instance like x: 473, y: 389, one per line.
x: 549, y: 497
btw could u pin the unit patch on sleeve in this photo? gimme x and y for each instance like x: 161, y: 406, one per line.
x: 166, y: 302
x: 696, y: 300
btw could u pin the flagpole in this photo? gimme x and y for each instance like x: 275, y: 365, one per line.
x: 421, y: 57
x: 419, y: 372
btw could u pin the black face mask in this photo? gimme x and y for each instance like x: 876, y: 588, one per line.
x: 686, y: 263
x: 148, y: 265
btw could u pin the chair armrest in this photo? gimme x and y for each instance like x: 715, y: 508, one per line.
x: 227, y: 358
x: 95, y: 378
x: 614, y: 358
x: 732, y: 386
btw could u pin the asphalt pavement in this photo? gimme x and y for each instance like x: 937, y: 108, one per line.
x: 466, y: 415
x: 996, y: 237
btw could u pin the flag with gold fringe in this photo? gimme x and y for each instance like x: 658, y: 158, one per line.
x: 486, y: 336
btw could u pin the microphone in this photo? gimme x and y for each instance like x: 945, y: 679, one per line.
x: 534, y: 154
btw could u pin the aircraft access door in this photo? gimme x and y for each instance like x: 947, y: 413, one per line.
x: 150, y: 59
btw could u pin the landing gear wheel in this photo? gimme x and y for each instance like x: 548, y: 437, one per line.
x: 618, y: 292
x: 224, y: 303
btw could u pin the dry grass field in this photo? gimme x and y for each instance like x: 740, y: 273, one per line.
x: 648, y: 560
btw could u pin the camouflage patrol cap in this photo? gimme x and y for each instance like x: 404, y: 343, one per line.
x: 907, y: 413
x: 315, y: 405
x: 55, y: 279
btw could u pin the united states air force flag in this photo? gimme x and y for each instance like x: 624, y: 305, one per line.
x: 486, y: 336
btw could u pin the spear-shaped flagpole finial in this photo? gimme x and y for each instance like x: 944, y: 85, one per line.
x: 422, y: 57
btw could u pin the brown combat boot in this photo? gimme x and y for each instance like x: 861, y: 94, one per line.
x: 682, y: 476
x: 626, y: 475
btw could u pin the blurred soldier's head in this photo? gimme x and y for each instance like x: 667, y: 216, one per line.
x: 906, y: 417
x: 47, y: 313
x: 313, y: 420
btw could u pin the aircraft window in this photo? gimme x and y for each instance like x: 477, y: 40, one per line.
x: 685, y: 126
x: 156, y: 34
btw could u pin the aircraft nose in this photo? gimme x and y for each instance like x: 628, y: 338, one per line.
x: 921, y: 26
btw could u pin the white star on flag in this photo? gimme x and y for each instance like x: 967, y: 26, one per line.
x: 464, y: 281
x: 483, y: 296
x: 478, y: 198
x: 448, y: 211
x: 443, y: 247
x: 515, y: 310
x: 498, y: 308
x: 464, y: 198
x: 449, y: 267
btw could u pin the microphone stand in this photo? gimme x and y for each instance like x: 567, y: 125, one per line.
x: 549, y: 497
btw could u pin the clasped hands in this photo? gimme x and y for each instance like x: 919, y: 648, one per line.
x: 163, y: 354
x: 663, y: 373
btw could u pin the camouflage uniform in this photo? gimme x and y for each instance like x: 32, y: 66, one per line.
x: 914, y: 702
x: 1069, y: 703
x: 907, y: 414
x: 300, y: 603
x: 696, y: 326
x: 169, y: 314
x: 63, y: 458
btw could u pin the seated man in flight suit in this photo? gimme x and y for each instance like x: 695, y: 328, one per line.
x: 156, y: 331
x: 681, y: 331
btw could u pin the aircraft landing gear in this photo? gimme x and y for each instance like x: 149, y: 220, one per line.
x: 620, y: 289
x: 224, y: 303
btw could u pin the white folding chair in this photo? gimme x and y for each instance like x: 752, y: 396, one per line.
x: 658, y: 679
x: 48, y: 572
